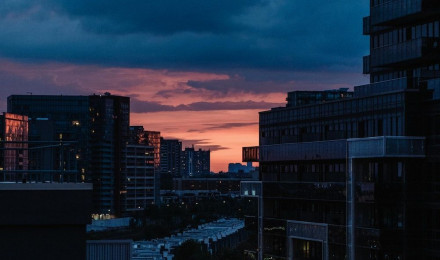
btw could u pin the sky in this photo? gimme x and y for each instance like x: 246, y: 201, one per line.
x: 195, y: 70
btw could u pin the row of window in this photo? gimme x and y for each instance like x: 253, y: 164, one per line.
x: 391, y: 125
x: 340, y: 108
x: 393, y: 37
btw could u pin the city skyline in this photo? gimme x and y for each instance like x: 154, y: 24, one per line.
x: 201, y: 77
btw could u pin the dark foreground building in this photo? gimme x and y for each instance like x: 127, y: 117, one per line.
x: 44, y: 220
x: 357, y: 177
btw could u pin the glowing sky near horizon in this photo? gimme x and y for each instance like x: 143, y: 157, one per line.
x: 199, y: 71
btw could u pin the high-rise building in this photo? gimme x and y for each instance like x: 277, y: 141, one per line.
x: 140, y: 170
x: 110, y: 119
x: 139, y: 185
x: 139, y: 135
x: 97, y: 124
x: 356, y: 177
x: 195, y: 162
x: 170, y: 157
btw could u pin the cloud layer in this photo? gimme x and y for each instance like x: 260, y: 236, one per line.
x: 197, y: 70
x: 187, y: 35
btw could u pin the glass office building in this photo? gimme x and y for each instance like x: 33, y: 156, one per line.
x: 356, y: 177
x: 99, y: 127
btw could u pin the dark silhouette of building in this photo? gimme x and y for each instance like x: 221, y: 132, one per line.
x: 356, y: 177
x: 195, y: 162
x: 44, y: 220
x: 99, y: 127
x: 110, y: 119
x: 240, y: 168
x: 170, y: 156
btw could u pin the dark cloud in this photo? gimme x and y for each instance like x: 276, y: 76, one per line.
x: 220, y: 127
x: 203, y: 144
x: 258, y: 81
x: 188, y: 35
x: 138, y: 106
x: 11, y: 83
x: 157, y: 17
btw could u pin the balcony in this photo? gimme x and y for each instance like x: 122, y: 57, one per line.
x: 387, y: 146
x: 397, y: 11
x: 322, y: 150
x: 405, y: 53
x: 251, y: 154
x: 399, y: 84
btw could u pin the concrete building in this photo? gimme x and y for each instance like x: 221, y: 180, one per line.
x: 355, y: 177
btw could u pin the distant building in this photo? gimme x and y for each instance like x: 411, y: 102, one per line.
x: 139, y: 135
x: 140, y: 171
x: 139, y: 182
x: 195, y: 162
x: 14, y: 160
x: 170, y: 156
x: 222, y: 185
x: 238, y: 167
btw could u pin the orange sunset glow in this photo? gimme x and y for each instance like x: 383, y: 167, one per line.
x: 162, y: 100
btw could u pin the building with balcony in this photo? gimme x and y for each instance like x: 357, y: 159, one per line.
x: 355, y: 177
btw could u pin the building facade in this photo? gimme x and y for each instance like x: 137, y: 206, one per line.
x: 195, y: 162
x: 96, y: 128
x: 170, y: 157
x: 140, y: 170
x: 354, y: 178
x: 14, y: 157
